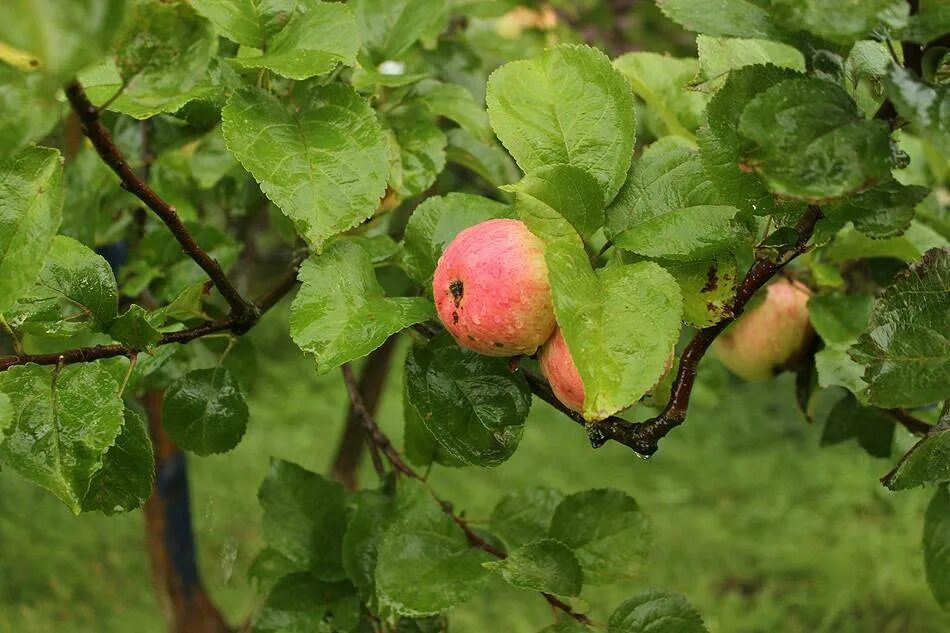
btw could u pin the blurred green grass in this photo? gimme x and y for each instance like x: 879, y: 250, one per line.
x: 759, y: 527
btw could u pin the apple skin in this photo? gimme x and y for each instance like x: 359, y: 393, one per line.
x: 769, y: 337
x: 491, y: 289
x: 558, y: 367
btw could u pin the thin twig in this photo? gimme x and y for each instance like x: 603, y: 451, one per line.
x: 381, y: 441
x: 909, y: 422
x: 243, y: 313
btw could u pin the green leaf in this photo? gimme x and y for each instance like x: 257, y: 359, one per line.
x: 735, y: 18
x: 436, y: 222
x: 31, y: 202
x: 74, y: 273
x: 722, y: 147
x: 159, y: 65
x: 607, y: 531
x: 300, y: 602
x: 204, y: 411
x: 6, y: 412
x: 566, y: 626
x: 812, y: 142
x: 134, y: 329
x: 373, y: 513
x: 487, y: 159
x: 836, y: 368
x: 620, y: 323
x: 419, y: 444
x: 570, y: 190
x: 544, y: 565
x: 417, y: 150
x: 926, y: 107
x: 570, y: 106
x: 937, y: 546
x: 931, y: 20
x: 128, y: 467
x: 425, y: 564
x: 311, y: 44
x: 520, y: 516
x: 840, y: 318
x: 668, y: 208
x: 27, y: 111
x: 842, y: 21
x: 850, y: 244
x: 883, y: 211
x: 927, y: 462
x: 248, y: 22
x: 720, y: 55
x: 906, y: 348
x: 871, y: 427
x: 473, y: 405
x: 662, y: 82
x: 456, y: 103
x: 708, y: 288
x: 59, y: 432
x: 656, y: 611
x: 304, y: 519
x: 60, y: 38
x: 340, y: 312
x: 323, y: 161
x: 389, y: 27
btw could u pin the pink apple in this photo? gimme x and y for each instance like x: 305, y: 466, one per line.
x: 770, y: 336
x: 558, y: 367
x: 491, y: 289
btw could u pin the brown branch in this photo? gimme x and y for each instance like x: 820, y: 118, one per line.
x: 644, y: 437
x: 381, y: 441
x: 243, y: 313
x: 98, y: 352
x: 909, y: 422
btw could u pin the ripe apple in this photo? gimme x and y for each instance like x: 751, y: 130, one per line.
x: 559, y: 368
x: 770, y: 336
x: 491, y: 289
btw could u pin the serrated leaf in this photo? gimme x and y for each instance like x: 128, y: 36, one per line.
x: 324, y: 161
x: 708, y: 288
x: 341, y: 313
x: 722, y: 147
x: 906, y: 348
x: 312, y: 43
x: 301, y: 602
x: 569, y: 106
x: 883, y: 211
x: 811, y: 141
x: 720, y: 55
x: 133, y: 329
x: 128, y: 467
x: 160, y: 64
x: 520, y: 516
x: 204, y: 411
x: 389, y: 27
x: 544, y: 565
x: 473, y: 405
x: 436, y: 222
x: 927, y: 107
x: 304, y: 519
x: 417, y: 150
x: 249, y: 22
x: 571, y: 190
x: 656, y: 611
x: 425, y: 564
x: 871, y: 427
x: 668, y: 208
x: 735, y: 18
x: 60, y: 38
x: 842, y: 21
x: 620, y: 323
x: 59, y: 432
x: 31, y: 201
x: 661, y: 82
x: 937, y: 546
x: 607, y: 531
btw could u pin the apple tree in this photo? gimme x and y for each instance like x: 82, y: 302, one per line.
x: 540, y: 211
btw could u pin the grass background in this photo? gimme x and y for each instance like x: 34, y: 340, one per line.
x: 757, y: 525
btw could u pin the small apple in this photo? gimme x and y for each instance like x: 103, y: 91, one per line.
x: 770, y: 336
x: 558, y: 367
x: 491, y: 289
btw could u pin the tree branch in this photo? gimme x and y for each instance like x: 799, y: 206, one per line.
x: 909, y: 422
x: 98, y: 352
x: 243, y: 313
x: 381, y: 441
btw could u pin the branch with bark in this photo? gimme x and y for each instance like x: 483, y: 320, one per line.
x: 386, y: 448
